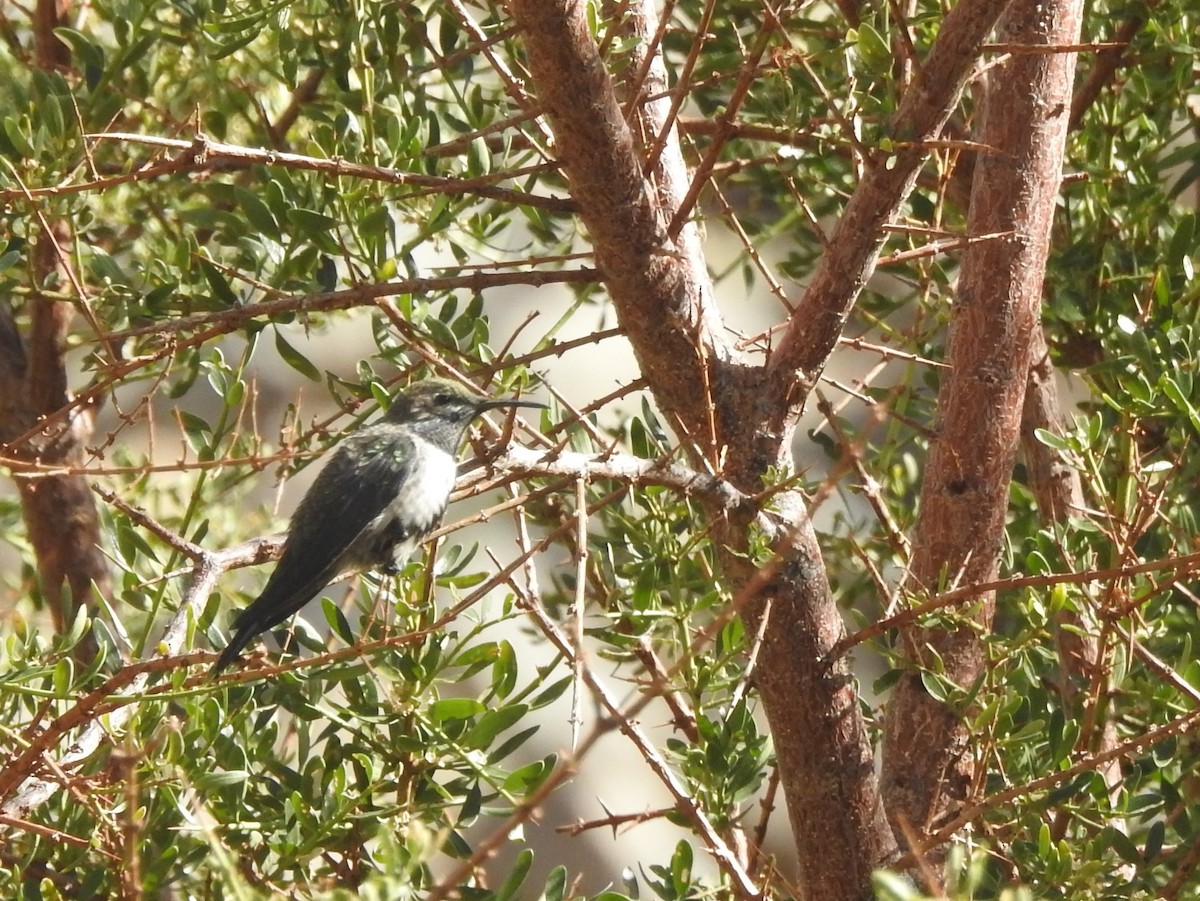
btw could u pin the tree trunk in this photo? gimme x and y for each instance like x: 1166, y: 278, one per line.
x: 928, y: 766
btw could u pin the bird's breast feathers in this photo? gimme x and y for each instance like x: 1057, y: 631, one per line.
x: 423, y: 495
x: 415, y: 510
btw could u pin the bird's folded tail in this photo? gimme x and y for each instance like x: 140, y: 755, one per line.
x: 281, y: 598
x: 246, y: 631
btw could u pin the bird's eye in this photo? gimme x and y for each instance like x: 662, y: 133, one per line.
x: 443, y: 399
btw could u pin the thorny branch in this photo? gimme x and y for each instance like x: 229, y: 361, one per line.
x: 203, y: 154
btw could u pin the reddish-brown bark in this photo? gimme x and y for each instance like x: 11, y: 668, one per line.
x: 960, y: 528
x: 59, y: 511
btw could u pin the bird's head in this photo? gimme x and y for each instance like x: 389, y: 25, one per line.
x: 435, y: 400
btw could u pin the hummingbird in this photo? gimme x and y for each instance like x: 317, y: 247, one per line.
x: 384, y: 490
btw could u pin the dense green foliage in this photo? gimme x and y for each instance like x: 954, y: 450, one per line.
x: 377, y: 769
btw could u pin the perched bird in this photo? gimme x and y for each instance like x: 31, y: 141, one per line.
x: 385, y: 489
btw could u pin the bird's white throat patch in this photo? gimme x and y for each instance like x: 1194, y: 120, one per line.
x: 422, y: 497
x: 421, y: 501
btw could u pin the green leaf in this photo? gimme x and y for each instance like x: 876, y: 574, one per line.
x: 16, y: 137
x: 939, y: 687
x: 231, y: 46
x: 327, y: 274
x: 89, y: 52
x: 257, y: 213
x: 491, y: 724
x: 525, y: 780
x: 64, y: 672
x: 1154, y: 840
x: 891, y: 886
x: 1121, y: 843
x: 197, y: 432
x: 1180, y: 398
x: 871, y: 46
x: 219, y: 284
x: 551, y: 693
x: 477, y: 656
x: 216, y: 781
x: 504, y: 670
x: 516, y: 877
x: 310, y: 222
x: 511, y: 744
x: 450, y: 709
x: 556, y: 885
x: 681, y: 868
x: 337, y: 621
x: 1051, y: 440
x: 295, y: 359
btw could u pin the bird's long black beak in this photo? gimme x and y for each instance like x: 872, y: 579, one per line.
x: 504, y: 402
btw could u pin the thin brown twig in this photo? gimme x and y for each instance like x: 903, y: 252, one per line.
x: 1107, y: 63
x: 513, y: 86
x: 1089, y: 763
x: 146, y: 521
x: 965, y: 593
x: 683, y: 717
x: 53, y: 834
x: 305, y: 93
x: 578, y: 606
x: 853, y: 450
x: 615, y: 820
x: 203, y: 153
x: 939, y: 247
x: 1181, y: 872
x: 474, y: 282
x: 1031, y: 49
x: 766, y: 808
x: 679, y: 93
x: 32, y: 469
x: 741, y: 91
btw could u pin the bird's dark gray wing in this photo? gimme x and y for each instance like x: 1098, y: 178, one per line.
x: 361, y: 479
